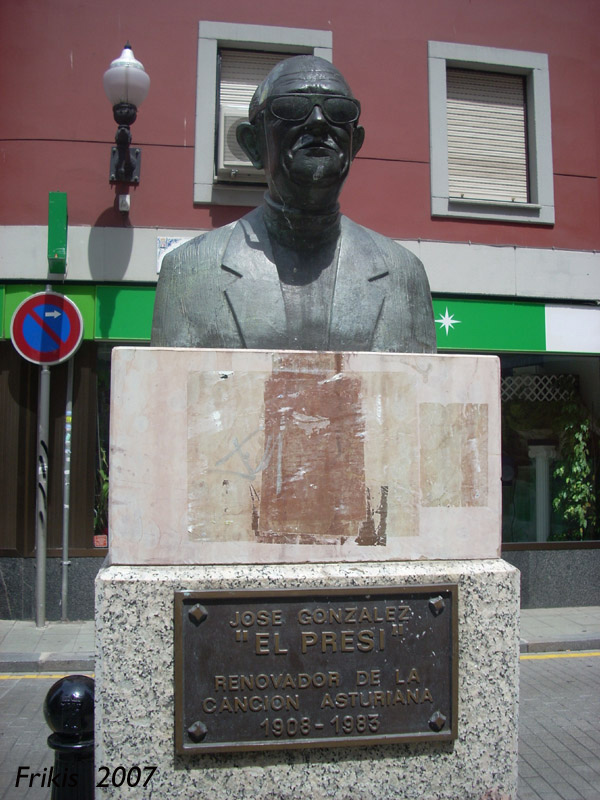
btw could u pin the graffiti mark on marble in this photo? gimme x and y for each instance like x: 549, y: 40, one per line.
x: 251, y: 472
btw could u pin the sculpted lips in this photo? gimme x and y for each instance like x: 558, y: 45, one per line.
x: 317, y: 147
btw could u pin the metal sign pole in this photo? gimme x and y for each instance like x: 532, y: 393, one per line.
x: 67, y: 491
x: 39, y: 335
x: 41, y: 505
x: 46, y: 328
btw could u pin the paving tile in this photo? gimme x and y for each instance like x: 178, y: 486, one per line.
x: 589, y: 772
x: 525, y: 769
x: 536, y: 762
x: 527, y: 793
x: 566, y: 791
x: 544, y: 789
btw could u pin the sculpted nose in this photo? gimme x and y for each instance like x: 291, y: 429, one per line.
x: 316, y: 118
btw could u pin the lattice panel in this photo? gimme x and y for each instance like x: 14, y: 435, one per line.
x: 539, y: 388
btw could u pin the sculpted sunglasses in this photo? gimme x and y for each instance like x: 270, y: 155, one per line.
x: 337, y: 109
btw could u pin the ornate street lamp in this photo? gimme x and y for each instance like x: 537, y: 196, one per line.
x: 126, y: 85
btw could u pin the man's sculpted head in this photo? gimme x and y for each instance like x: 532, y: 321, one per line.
x: 295, y: 273
x: 303, y: 132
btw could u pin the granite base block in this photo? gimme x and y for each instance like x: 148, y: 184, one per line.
x: 135, y: 691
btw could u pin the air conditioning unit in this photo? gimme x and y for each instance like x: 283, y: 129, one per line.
x: 232, y: 163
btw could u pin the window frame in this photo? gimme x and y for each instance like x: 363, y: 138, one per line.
x: 211, y: 37
x: 534, y: 67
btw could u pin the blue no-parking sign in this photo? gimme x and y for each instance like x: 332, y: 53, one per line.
x: 47, y: 328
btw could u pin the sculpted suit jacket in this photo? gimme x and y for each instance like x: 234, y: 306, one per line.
x: 222, y: 290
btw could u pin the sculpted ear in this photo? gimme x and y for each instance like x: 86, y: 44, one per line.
x: 247, y: 136
x: 358, y: 137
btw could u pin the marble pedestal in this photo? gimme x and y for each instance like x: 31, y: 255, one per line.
x: 135, y: 692
x: 238, y: 456
x: 255, y: 470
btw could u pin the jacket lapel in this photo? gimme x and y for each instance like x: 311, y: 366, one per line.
x: 360, y: 289
x: 252, y: 285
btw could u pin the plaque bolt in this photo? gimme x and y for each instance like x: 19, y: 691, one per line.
x: 198, y: 731
x: 437, y: 605
x: 437, y: 721
x: 197, y: 614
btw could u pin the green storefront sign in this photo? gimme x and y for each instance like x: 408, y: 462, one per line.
x: 124, y: 313
x: 489, y: 325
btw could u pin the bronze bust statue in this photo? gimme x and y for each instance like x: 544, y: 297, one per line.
x: 294, y: 274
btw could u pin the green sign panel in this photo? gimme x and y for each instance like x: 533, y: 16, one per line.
x: 489, y: 325
x: 57, y: 232
x: 124, y: 312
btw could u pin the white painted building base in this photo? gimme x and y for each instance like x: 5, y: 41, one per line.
x: 132, y: 255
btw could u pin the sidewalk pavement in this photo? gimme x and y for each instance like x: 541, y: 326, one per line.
x: 551, y: 630
x: 69, y: 646
x: 65, y: 647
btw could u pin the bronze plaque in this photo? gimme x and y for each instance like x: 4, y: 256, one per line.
x: 287, y: 668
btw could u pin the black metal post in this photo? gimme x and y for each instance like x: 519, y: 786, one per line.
x: 69, y: 712
x: 125, y: 162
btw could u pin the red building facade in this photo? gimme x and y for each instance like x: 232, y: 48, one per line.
x: 513, y: 271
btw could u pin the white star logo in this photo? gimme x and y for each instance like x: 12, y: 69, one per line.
x: 447, y: 321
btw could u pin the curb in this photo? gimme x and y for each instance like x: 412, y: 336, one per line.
x: 562, y: 645
x: 47, y: 662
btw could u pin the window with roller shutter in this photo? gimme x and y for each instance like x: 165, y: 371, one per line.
x: 487, y: 136
x: 490, y: 134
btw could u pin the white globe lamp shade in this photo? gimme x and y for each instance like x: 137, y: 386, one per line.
x: 126, y: 81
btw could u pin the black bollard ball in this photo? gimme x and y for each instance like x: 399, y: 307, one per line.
x: 69, y: 707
